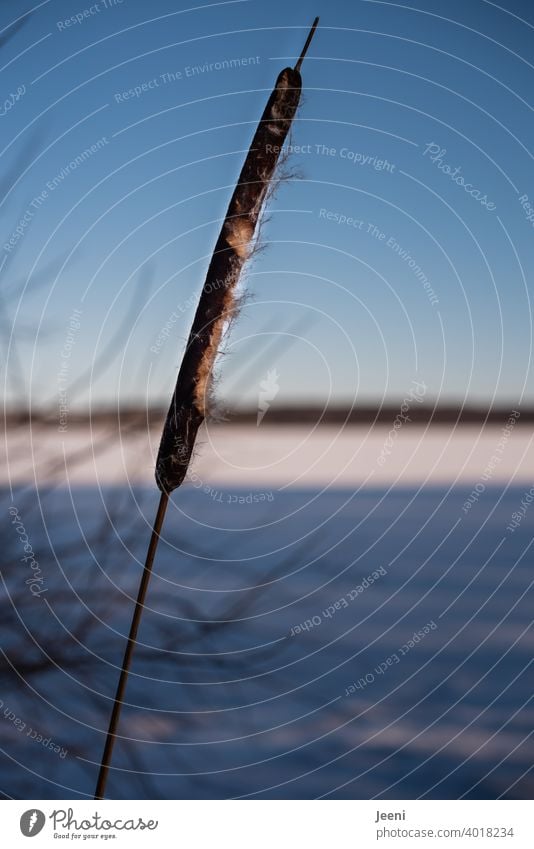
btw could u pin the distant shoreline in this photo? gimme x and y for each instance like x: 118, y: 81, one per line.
x: 137, y: 417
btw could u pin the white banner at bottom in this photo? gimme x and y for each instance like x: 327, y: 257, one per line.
x: 267, y: 824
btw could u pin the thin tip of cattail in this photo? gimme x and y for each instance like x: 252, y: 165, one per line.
x: 307, y: 44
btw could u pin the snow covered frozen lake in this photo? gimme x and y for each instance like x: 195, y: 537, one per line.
x: 319, y: 623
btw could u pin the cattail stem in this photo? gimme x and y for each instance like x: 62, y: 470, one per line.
x: 307, y: 44
x: 188, y: 405
x: 132, y: 637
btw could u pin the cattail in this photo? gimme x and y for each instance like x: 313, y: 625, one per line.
x: 215, y: 308
x: 217, y: 300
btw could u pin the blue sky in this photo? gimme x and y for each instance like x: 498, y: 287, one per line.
x: 427, y: 280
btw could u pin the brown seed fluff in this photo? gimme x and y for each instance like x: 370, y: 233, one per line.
x: 217, y: 300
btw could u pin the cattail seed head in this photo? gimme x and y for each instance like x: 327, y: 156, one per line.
x: 218, y: 302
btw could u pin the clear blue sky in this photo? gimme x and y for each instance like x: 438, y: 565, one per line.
x: 335, y: 308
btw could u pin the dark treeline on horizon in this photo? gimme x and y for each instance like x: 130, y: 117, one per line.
x: 287, y: 415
